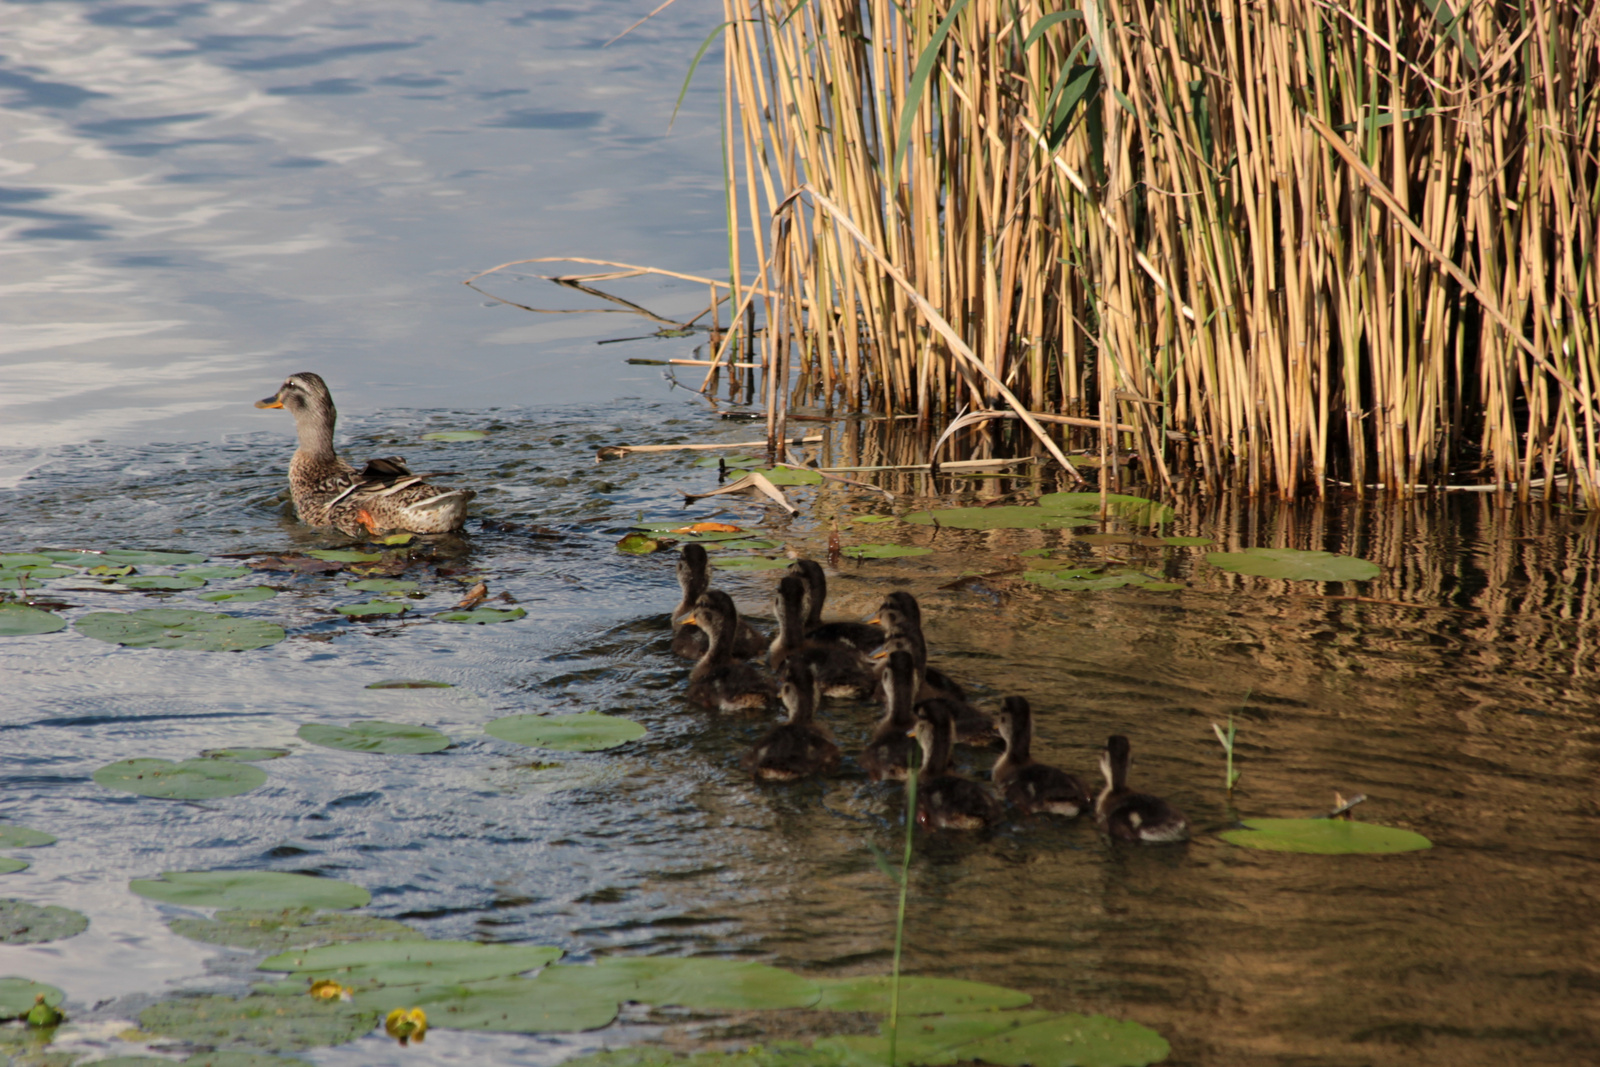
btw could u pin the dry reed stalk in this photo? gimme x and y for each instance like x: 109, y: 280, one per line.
x: 1325, y: 239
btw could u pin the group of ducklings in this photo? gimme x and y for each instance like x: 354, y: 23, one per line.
x: 886, y: 658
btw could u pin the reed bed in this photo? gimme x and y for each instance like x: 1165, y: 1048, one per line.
x: 1274, y: 247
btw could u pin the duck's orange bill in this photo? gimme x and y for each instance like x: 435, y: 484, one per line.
x: 270, y: 402
x: 876, y: 620
x: 688, y: 620
x: 882, y: 653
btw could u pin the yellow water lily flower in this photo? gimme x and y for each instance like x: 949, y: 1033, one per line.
x: 328, y: 989
x: 404, y: 1026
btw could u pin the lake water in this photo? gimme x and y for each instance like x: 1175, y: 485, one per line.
x: 203, y: 197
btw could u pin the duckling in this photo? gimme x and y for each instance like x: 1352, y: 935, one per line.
x: 382, y: 497
x: 1132, y: 816
x: 1030, y: 785
x: 884, y: 758
x: 694, y: 577
x: 945, y: 801
x: 900, y: 614
x: 841, y: 670
x: 718, y: 681
x: 861, y: 635
x: 799, y: 747
x: 972, y: 727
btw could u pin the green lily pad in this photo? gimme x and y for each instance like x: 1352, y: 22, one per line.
x: 19, y: 620
x: 388, y: 738
x: 197, y: 631
x: 1082, y: 581
x: 151, y: 559
x: 885, y: 551
x: 588, y: 732
x: 237, y: 1059
x: 217, y: 572
x: 1134, y: 509
x: 1009, y: 517
x: 709, y: 984
x: 918, y: 996
x: 872, y: 518
x: 277, y: 930
x: 680, y: 533
x: 410, y: 683
x: 362, y: 964
x: 107, y: 570
x: 193, y: 779
x: 250, y: 889
x: 1071, y: 1040
x: 748, y: 563
x: 17, y: 996
x: 455, y: 435
x: 512, y: 1005
x: 1324, y: 836
x: 11, y: 866
x: 481, y: 616
x: 373, y: 607
x: 164, y: 581
x: 383, y: 585
x: 1162, y: 587
x: 245, y: 755
x: 749, y: 545
x: 638, y: 544
x: 1294, y: 564
x: 9, y: 560
x: 932, y: 1039
x: 1188, y: 542
x: 34, y: 574
x: 22, y: 923
x: 22, y: 837
x: 274, y: 1024
x: 344, y: 555
x: 781, y: 475
x: 241, y: 596
x: 740, y: 462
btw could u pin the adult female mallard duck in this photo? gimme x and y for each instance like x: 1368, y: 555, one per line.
x: 861, y: 635
x: 798, y: 747
x: 1030, y: 785
x: 884, y: 758
x: 381, y: 497
x: 944, y: 800
x: 689, y: 641
x: 718, y: 680
x: 1128, y: 815
x: 841, y: 670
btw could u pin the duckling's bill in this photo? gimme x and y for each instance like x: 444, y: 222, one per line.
x: 272, y: 401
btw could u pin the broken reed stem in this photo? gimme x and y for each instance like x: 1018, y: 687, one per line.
x: 1351, y: 241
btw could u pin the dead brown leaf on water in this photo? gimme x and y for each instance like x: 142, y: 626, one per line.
x: 296, y: 564
x: 475, y: 596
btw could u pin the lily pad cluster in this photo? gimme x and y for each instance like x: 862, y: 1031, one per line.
x: 270, y: 890
x: 193, y: 779
x: 1054, y: 511
x: 1326, y: 837
x: 20, y: 837
x: 389, y: 738
x: 587, y: 732
x: 279, y: 929
x: 22, y: 923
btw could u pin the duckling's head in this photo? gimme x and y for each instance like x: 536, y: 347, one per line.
x: 932, y: 731
x: 799, y: 689
x: 692, y: 571
x: 715, y: 614
x: 303, y: 392
x: 788, y: 601
x: 1114, y: 759
x: 1014, y: 719
x: 810, y: 572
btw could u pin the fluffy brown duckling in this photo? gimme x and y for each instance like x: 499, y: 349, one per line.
x: 689, y: 641
x: 841, y: 670
x: 972, y: 727
x: 1030, y: 785
x: 885, y: 757
x: 946, y: 801
x: 1131, y: 816
x: 798, y: 747
x: 901, y: 615
x: 718, y: 680
x: 860, y: 635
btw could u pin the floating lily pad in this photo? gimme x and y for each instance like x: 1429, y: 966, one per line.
x: 198, y: 631
x: 22, y: 837
x: 241, y: 596
x: 237, y: 1059
x: 410, y: 683
x: 296, y: 564
x: 19, y: 620
x: 388, y: 738
x: 480, y: 616
x: 710, y: 984
x: 1294, y: 564
x: 22, y: 923
x: 277, y: 930
x: 638, y: 544
x: 217, y: 572
x: 588, y: 732
x: 748, y: 563
x: 107, y: 570
x: 512, y: 1005
x: 918, y: 996
x: 344, y: 555
x: 1324, y: 836
x: 741, y: 462
x: 10, y: 560
x: 412, y: 962
x: 1134, y: 509
x: 124, y: 556
x: 885, y: 551
x: 1083, y: 580
x: 275, y: 1024
x: 11, y: 866
x: 383, y: 585
x: 872, y: 518
x: 1007, y: 517
x: 781, y: 475
x: 686, y: 532
x: 17, y: 996
x: 455, y: 435
x: 748, y: 545
x: 1070, y: 1040
x: 245, y: 755
x: 193, y: 779
x: 171, y: 582
x: 34, y: 574
x: 373, y: 607
x: 251, y: 889
x: 1188, y: 542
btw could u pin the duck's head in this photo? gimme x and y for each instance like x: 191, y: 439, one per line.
x: 899, y: 613
x: 1014, y: 719
x: 1114, y: 758
x: 303, y: 392
x: 799, y: 689
x: 788, y: 600
x: 715, y: 614
x: 810, y: 572
x: 933, y: 730
x: 692, y: 571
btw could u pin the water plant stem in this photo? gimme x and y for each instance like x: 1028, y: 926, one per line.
x: 900, y: 915
x: 1230, y: 776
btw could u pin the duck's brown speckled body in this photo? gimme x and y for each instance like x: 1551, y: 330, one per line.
x: 946, y: 801
x: 799, y: 747
x: 1023, y: 781
x: 1131, y: 816
x: 718, y: 680
x: 689, y: 640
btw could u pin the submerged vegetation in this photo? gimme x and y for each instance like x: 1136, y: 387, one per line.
x: 1276, y: 247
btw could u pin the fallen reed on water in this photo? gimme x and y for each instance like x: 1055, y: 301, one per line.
x: 1267, y: 246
